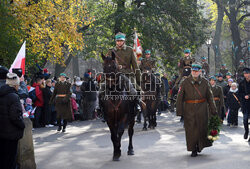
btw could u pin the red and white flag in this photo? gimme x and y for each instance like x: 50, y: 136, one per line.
x: 137, y: 46
x: 19, y: 62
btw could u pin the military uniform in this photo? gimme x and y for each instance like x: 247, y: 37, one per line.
x: 219, y: 99
x: 223, y: 71
x: 147, y: 64
x: 240, y: 71
x: 193, y: 99
x: 205, y: 66
x: 61, y: 97
x: 186, y: 63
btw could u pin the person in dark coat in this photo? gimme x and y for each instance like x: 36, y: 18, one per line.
x: 193, y: 100
x: 233, y: 103
x: 11, y: 122
x: 244, y: 93
x: 61, y: 97
x: 3, y: 74
x: 226, y: 90
x: 47, y: 110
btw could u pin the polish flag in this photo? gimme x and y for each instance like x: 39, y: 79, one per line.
x: 19, y: 62
x: 137, y: 46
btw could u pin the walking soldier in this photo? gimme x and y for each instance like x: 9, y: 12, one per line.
x: 193, y: 99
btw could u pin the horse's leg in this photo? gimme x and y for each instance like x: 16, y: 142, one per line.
x: 130, y: 134
x: 114, y: 138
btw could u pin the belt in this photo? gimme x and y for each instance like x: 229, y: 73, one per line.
x: 61, y: 95
x: 195, y: 101
x: 216, y: 99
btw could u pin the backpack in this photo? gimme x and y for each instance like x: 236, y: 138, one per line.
x: 32, y: 95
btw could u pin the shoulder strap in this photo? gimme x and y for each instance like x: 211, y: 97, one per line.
x: 198, y: 91
x: 236, y: 98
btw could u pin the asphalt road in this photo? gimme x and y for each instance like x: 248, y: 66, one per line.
x: 87, y: 145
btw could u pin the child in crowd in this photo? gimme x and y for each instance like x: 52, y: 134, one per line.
x: 233, y: 105
x: 74, y: 105
x: 29, y: 108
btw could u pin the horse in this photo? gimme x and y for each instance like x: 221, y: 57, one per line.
x: 118, y: 111
x: 149, y: 86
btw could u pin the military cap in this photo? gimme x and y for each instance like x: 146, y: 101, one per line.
x: 140, y: 59
x: 147, y: 51
x: 246, y: 70
x: 3, y: 72
x: 220, y: 75
x: 242, y: 61
x: 212, y: 77
x: 187, y: 51
x: 196, y: 67
x: 216, y: 74
x: 223, y: 64
x: 63, y: 74
x: 120, y: 36
x: 229, y: 74
x: 157, y: 74
x: 203, y: 58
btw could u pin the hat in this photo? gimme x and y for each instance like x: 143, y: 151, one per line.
x: 220, y: 75
x: 86, y: 75
x: 29, y: 101
x: 147, y: 51
x: 187, y: 51
x: 223, y: 64
x: 73, y: 95
x: 140, y: 58
x: 120, y: 36
x: 212, y: 77
x: 216, y: 74
x: 230, y: 80
x: 3, y: 72
x: 63, y: 74
x: 228, y: 74
x: 45, y: 70
x: 12, y: 80
x: 242, y: 61
x: 203, y: 58
x: 246, y: 70
x: 196, y: 67
x: 157, y: 74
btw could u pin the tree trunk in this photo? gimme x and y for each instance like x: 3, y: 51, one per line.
x: 60, y: 69
x: 234, y: 27
x: 217, y: 37
x: 119, y: 15
x: 75, y: 66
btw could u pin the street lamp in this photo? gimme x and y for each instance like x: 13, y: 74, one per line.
x: 208, y: 42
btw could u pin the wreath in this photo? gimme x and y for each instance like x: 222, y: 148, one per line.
x: 214, y: 125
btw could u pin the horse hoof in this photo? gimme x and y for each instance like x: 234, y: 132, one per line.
x: 116, y: 158
x: 131, y: 152
x: 144, y: 129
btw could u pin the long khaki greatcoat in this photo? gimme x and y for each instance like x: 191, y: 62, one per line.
x: 195, y: 114
x: 62, y: 104
x: 217, y: 92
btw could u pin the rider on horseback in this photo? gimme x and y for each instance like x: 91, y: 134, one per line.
x: 127, y: 65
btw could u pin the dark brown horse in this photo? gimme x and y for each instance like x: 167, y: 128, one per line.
x: 117, y: 107
x: 150, y: 86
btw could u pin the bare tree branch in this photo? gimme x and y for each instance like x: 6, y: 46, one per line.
x: 242, y: 18
x: 244, y: 3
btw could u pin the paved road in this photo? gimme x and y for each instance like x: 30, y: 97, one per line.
x: 87, y: 145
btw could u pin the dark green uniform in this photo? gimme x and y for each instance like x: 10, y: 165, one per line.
x: 223, y: 71
x: 240, y: 70
x: 218, y: 98
x: 193, y: 100
x: 62, y: 103
x: 147, y: 64
x: 205, y: 66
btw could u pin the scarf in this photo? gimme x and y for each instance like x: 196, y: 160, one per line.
x: 234, y: 91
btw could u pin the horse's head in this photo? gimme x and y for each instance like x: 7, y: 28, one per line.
x: 110, y: 69
x: 109, y: 63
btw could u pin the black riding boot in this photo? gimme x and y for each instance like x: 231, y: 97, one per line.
x: 64, y: 125
x: 59, y: 125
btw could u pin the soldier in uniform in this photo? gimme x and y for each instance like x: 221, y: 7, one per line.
x: 205, y: 65
x: 186, y: 62
x: 228, y: 76
x: 220, y: 81
x: 194, y: 97
x: 147, y: 64
x: 127, y: 65
x: 61, y: 97
x: 240, y: 75
x: 223, y: 70
x: 218, y: 96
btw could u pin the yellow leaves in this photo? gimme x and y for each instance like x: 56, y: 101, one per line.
x: 52, y: 25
